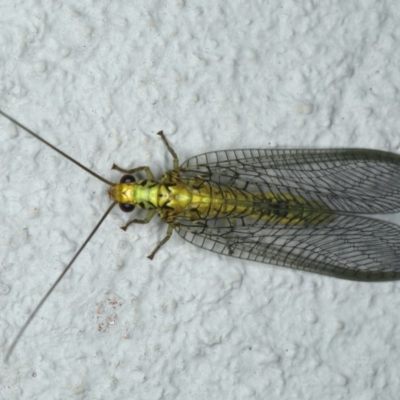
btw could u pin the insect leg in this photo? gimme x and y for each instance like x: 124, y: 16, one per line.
x: 149, y: 174
x: 170, y: 149
x: 148, y: 218
x: 165, y: 240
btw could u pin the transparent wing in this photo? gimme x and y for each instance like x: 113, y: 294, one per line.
x: 347, y: 180
x: 349, y: 246
x: 337, y: 184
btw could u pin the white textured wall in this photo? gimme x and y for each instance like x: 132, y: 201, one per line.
x: 99, y: 79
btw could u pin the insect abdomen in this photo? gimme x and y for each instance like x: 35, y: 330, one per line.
x: 209, y: 200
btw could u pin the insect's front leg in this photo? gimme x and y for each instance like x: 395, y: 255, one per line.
x: 148, y: 218
x: 147, y: 171
x: 149, y: 174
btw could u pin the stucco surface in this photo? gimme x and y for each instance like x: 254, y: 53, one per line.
x: 98, y: 80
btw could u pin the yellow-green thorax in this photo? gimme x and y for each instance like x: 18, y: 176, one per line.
x: 175, y: 196
x: 150, y: 195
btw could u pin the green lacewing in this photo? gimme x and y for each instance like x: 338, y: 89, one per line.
x: 307, y: 209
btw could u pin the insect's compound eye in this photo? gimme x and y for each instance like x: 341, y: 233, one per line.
x: 127, y: 179
x: 126, y: 207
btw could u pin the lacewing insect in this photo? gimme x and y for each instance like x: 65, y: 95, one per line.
x: 294, y: 208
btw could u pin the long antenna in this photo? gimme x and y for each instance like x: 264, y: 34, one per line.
x: 58, y: 280
x: 39, y: 306
x: 55, y: 148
